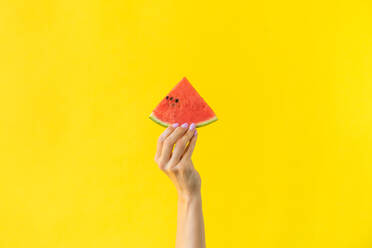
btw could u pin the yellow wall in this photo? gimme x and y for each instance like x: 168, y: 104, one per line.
x: 288, y: 164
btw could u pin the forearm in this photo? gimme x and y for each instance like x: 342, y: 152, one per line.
x: 190, y: 222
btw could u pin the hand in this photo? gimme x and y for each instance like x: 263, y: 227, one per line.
x: 176, y: 163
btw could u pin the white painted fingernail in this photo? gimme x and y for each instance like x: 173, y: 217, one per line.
x: 175, y: 125
x: 184, y: 125
x: 192, y: 126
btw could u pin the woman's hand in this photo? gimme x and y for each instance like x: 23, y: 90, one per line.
x: 173, y: 155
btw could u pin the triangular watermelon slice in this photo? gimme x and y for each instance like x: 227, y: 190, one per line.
x: 183, y: 104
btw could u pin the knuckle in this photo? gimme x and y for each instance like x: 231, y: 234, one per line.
x: 181, y: 169
x: 190, y: 133
x: 182, y: 142
x: 160, y: 139
x: 161, y: 166
x: 185, y: 139
x: 162, y: 163
x: 184, y: 167
x: 174, y: 170
x: 168, y: 169
x: 167, y: 142
x: 180, y: 132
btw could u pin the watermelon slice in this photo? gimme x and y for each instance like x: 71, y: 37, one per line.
x: 183, y: 104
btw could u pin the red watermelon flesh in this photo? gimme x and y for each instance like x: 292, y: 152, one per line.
x: 183, y: 104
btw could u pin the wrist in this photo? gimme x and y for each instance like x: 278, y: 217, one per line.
x: 189, y: 197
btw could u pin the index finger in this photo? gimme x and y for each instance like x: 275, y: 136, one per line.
x: 162, y: 137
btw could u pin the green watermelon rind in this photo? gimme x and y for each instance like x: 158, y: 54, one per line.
x: 153, y: 117
x: 200, y: 124
x: 207, y: 122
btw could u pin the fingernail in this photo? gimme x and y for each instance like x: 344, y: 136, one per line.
x: 184, y: 125
x: 196, y: 133
x: 192, y: 126
x: 175, y: 125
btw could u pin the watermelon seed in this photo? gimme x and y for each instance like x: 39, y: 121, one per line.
x: 176, y: 100
x: 171, y: 98
x: 167, y: 97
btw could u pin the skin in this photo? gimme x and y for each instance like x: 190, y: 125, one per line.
x: 173, y: 155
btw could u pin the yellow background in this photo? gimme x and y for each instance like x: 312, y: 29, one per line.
x: 288, y: 164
